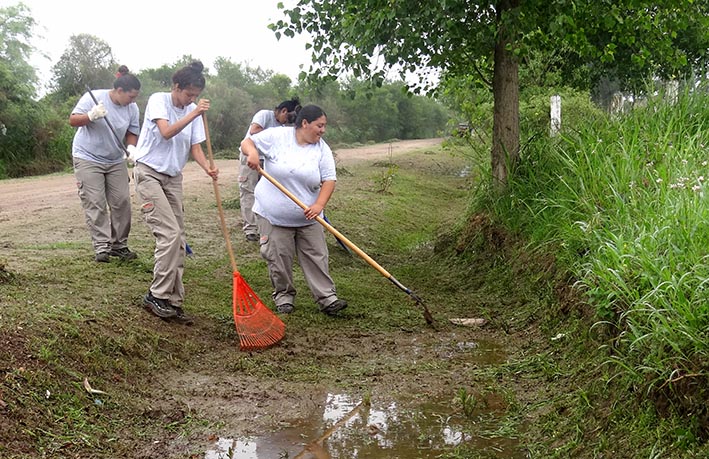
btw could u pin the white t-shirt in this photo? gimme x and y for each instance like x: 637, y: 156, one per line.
x: 167, y: 156
x: 264, y: 118
x: 95, y: 141
x: 301, y: 169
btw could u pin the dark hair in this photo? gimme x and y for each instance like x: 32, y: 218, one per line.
x: 292, y: 105
x: 190, y: 75
x: 308, y: 113
x: 126, y: 80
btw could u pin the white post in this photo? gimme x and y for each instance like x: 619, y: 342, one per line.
x: 555, y: 115
x: 672, y: 91
x: 616, y: 106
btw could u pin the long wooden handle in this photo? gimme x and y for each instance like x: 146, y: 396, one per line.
x: 225, y: 231
x: 426, y: 313
x: 110, y: 126
x: 328, y: 226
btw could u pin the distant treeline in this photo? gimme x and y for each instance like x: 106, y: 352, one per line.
x: 35, y: 136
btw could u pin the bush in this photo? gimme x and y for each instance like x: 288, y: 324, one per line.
x: 37, y: 140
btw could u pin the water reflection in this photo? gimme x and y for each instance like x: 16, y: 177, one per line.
x: 228, y: 448
x: 350, y: 429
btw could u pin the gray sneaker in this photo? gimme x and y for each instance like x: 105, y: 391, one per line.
x: 252, y: 237
x: 285, y: 308
x: 335, y: 306
x: 124, y: 253
x: 102, y: 257
x: 181, y: 317
x: 158, y: 306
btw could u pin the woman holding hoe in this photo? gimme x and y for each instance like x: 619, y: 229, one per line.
x: 99, y: 162
x: 300, y: 159
x: 172, y: 130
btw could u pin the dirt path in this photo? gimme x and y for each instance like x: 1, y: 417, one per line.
x: 46, y: 209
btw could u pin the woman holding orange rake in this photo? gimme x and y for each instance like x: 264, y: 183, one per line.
x: 299, y: 158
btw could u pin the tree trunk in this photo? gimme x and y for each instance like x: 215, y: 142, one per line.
x: 505, y: 88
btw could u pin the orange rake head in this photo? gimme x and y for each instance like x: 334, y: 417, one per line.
x: 257, y: 326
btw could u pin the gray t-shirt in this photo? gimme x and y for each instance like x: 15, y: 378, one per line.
x: 95, y: 141
x: 167, y: 156
x: 299, y: 168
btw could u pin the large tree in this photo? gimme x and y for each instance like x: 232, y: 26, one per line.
x: 628, y: 39
x: 17, y: 77
x: 88, y: 60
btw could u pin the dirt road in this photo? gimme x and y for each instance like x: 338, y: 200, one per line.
x: 45, y: 209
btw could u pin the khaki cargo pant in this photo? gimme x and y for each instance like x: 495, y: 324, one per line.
x: 163, y: 212
x: 104, y: 190
x: 279, y: 247
x: 248, y: 178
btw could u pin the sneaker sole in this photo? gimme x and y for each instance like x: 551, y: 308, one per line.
x: 150, y: 307
x: 101, y: 259
x: 285, y: 309
x: 181, y: 320
x: 333, y: 309
x: 124, y: 258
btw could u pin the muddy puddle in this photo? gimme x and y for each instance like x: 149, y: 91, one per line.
x: 348, y: 426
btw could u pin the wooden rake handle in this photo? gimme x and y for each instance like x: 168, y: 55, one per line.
x: 217, y: 195
x: 342, y: 238
x: 426, y: 313
x: 327, y: 226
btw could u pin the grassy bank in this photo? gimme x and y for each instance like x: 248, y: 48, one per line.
x: 618, y: 207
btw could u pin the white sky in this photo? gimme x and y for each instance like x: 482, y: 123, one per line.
x: 149, y: 33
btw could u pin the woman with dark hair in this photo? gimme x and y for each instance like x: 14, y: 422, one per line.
x: 299, y: 159
x: 172, y: 131
x: 283, y: 114
x: 99, y: 162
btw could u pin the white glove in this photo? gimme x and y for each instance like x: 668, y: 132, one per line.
x: 132, y: 154
x: 99, y: 111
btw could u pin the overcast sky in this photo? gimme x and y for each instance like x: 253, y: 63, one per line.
x: 149, y: 33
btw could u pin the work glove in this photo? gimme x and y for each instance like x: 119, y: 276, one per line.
x: 98, y: 111
x: 132, y: 154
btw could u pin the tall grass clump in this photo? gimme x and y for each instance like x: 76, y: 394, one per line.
x: 622, y: 203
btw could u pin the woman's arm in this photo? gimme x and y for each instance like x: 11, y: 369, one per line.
x: 248, y: 148
x: 79, y: 119
x: 131, y: 139
x: 199, y: 157
x: 326, y: 190
x: 168, y: 131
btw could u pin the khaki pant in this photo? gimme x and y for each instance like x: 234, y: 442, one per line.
x: 163, y: 212
x: 279, y: 247
x: 248, y: 178
x: 104, y: 190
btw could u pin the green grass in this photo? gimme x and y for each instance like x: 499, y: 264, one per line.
x: 621, y: 204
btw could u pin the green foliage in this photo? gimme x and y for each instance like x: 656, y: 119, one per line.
x: 36, y: 141
x: 229, y: 115
x: 358, y: 112
x: 630, y: 41
x: 87, y: 61
x: 620, y: 202
x: 17, y: 76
